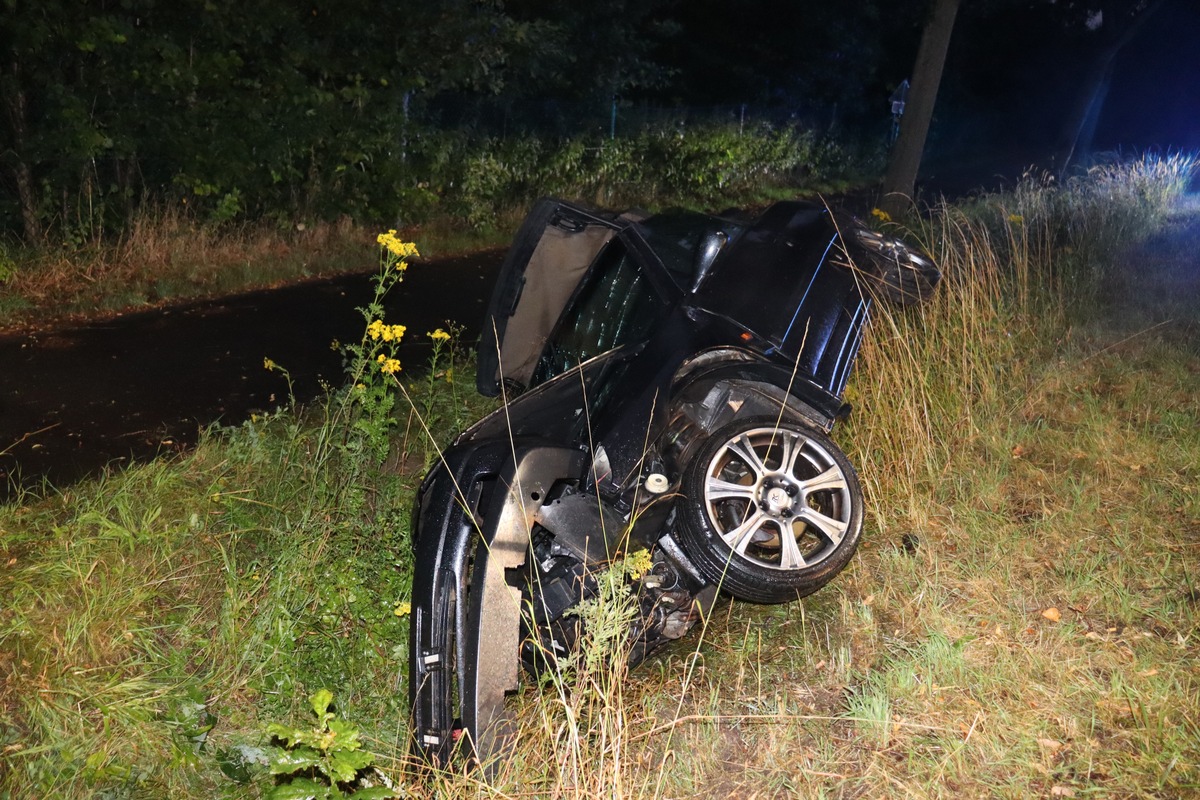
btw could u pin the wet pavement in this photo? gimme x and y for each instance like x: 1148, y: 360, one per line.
x: 76, y: 399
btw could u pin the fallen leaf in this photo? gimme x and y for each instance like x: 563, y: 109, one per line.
x: 1148, y: 673
x: 1062, y: 791
x: 1019, y: 451
x: 1052, y: 614
x: 1050, y: 745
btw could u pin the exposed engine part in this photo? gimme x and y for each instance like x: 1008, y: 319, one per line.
x: 583, y: 523
x: 656, y: 483
x: 557, y: 581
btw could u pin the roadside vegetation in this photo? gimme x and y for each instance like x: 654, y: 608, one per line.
x: 473, y: 194
x: 1021, y: 619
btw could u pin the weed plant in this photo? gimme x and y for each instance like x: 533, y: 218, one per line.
x: 1021, y: 619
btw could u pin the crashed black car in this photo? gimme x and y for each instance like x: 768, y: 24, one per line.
x: 670, y: 382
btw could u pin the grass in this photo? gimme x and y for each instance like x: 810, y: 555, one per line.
x: 1021, y: 619
x: 168, y: 255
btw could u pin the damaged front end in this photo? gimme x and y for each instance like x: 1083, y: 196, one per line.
x: 501, y: 575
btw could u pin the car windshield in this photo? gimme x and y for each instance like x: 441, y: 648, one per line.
x: 615, y: 306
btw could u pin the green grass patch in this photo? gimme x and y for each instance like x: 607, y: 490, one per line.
x: 1021, y: 620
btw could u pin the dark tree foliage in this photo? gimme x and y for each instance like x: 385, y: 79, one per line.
x: 260, y: 105
x: 294, y: 110
x: 807, y: 56
x: 565, y: 66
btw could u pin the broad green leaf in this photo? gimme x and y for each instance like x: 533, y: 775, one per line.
x: 300, y: 789
x: 285, y: 762
x: 283, y: 732
x: 345, y: 765
x: 347, y: 735
x: 320, y: 701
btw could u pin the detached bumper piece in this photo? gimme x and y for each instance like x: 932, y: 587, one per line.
x: 464, y: 660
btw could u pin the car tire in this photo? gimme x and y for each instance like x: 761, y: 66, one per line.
x: 895, y: 271
x: 772, y: 509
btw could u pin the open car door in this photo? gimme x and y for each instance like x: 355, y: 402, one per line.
x: 548, y: 258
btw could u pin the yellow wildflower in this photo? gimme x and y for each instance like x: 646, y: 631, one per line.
x: 881, y: 215
x: 403, y: 609
x: 1016, y: 219
x: 396, y: 247
x: 389, y: 333
x: 389, y: 366
x: 269, y: 364
x: 439, y: 335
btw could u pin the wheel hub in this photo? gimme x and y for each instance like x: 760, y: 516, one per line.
x: 777, y: 500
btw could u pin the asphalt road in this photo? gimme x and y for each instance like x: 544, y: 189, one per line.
x: 75, y: 400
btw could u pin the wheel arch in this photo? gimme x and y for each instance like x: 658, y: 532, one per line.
x: 717, y: 385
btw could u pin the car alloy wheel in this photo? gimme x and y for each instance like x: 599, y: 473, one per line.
x: 773, y: 509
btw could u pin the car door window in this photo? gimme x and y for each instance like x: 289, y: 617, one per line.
x: 550, y: 256
x: 616, y: 305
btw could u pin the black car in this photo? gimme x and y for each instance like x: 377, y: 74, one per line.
x: 669, y: 383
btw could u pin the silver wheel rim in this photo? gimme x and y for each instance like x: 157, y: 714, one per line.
x: 777, y: 498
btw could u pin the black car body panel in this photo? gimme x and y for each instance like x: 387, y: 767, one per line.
x: 628, y: 347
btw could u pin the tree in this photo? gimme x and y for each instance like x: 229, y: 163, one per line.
x: 914, y: 126
x: 798, y: 56
x: 1103, y: 27
x: 263, y: 106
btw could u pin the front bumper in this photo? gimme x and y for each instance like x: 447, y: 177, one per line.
x: 471, y: 530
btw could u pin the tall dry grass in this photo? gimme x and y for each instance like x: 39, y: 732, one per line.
x: 1019, y: 268
x: 165, y: 254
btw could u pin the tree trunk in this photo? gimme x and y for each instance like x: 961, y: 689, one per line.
x: 1089, y: 101
x: 28, y: 199
x: 14, y: 107
x: 914, y: 125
